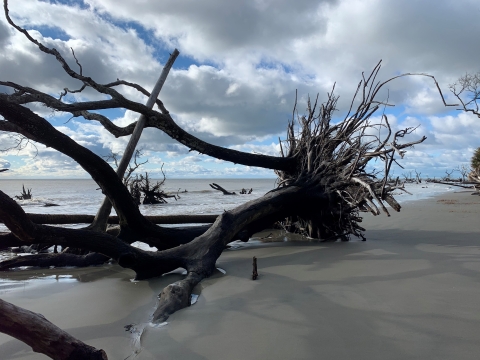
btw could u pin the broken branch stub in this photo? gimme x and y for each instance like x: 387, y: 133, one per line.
x: 254, y: 272
x: 219, y: 188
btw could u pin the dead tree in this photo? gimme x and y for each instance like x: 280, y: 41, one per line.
x: 323, y: 181
x: 467, y: 91
x: 447, y: 177
x: 127, y: 177
x: 418, y: 177
x: 245, y: 191
x: 134, y: 188
x: 25, y: 195
x: 152, y: 193
x: 219, y: 188
x: 464, y: 170
x: 407, y: 177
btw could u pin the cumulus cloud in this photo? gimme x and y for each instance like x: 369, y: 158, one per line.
x: 4, y: 164
x: 272, y: 149
x: 244, y: 61
x: 49, y: 163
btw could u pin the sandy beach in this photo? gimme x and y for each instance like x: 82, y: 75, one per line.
x: 411, y: 291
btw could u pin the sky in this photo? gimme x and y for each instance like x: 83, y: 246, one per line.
x: 240, y: 64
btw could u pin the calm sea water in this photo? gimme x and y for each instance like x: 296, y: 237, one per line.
x: 83, y: 196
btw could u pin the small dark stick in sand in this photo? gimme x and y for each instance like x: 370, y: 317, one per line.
x: 254, y: 273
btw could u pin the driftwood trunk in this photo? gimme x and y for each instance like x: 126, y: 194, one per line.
x: 87, y: 219
x: 44, y: 337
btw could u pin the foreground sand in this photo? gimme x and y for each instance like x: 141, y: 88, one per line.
x: 412, y: 291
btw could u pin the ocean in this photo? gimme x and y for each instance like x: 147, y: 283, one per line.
x: 82, y: 196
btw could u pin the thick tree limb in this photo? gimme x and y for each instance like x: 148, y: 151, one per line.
x: 198, y: 256
x: 160, y: 121
x: 155, y: 219
x: 175, y: 296
x: 43, y: 336
x: 219, y: 188
x: 26, y: 95
x: 8, y: 240
x: 200, y: 263
x: 101, y: 172
x: 145, y: 264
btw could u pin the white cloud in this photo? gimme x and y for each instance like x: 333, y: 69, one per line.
x: 232, y: 89
x: 249, y: 58
x: 272, y: 149
x: 4, y: 164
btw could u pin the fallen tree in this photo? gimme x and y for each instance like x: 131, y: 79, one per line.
x: 324, y: 182
x: 85, y: 219
x: 44, y: 337
x: 152, y: 193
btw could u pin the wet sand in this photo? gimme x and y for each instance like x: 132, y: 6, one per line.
x: 411, y: 291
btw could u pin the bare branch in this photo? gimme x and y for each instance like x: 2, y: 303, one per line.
x: 142, y: 90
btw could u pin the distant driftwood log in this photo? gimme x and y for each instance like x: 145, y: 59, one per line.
x: 219, y: 188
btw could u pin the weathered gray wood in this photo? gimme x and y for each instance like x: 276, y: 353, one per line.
x: 219, y: 188
x: 87, y: 219
x: 254, y: 271
x: 43, y: 336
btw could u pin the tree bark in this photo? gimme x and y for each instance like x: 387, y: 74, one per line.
x: 43, y: 336
x: 8, y: 240
x: 200, y: 263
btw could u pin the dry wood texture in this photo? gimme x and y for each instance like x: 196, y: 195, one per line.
x: 44, y: 337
